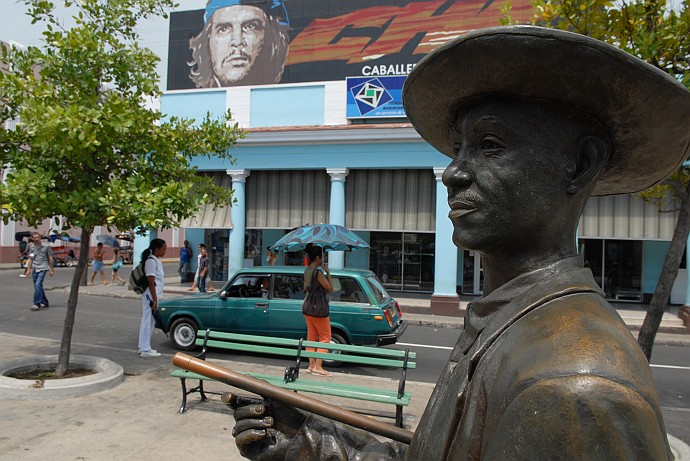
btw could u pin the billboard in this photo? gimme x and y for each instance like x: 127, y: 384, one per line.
x: 254, y: 42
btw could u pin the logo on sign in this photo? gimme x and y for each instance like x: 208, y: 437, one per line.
x: 370, y: 95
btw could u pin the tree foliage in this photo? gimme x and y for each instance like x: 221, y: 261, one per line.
x: 658, y: 33
x: 88, y: 145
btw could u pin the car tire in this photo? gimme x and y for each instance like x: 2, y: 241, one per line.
x: 183, y: 334
x: 336, y: 338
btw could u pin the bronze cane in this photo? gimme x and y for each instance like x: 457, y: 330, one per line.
x: 269, y: 391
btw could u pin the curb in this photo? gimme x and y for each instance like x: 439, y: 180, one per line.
x: 107, y: 375
x: 680, y: 450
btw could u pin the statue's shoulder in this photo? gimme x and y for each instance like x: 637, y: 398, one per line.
x: 572, y: 335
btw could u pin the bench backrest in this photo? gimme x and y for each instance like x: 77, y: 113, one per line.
x: 287, y: 347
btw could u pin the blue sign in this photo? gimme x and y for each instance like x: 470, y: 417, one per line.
x: 375, y: 97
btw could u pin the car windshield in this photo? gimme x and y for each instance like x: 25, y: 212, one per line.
x: 377, y: 288
x: 249, y: 286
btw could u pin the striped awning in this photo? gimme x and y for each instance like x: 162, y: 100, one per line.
x: 209, y: 217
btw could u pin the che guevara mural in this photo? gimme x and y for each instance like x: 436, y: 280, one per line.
x: 255, y: 42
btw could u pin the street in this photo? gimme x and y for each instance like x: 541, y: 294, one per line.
x: 108, y: 326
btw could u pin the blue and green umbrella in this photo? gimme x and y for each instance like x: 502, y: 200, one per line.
x: 330, y: 237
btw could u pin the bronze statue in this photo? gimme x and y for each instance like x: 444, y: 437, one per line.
x: 535, y: 121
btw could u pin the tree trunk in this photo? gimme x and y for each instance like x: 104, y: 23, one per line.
x: 660, y: 299
x: 82, y: 266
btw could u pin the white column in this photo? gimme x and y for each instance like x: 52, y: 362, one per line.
x: 238, y: 212
x: 141, y: 242
x: 6, y: 230
x: 175, y: 238
x: 336, y: 259
x: 445, y: 299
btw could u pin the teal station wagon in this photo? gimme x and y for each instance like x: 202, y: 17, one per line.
x: 267, y: 301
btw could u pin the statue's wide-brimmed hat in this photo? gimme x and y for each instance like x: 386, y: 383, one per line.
x: 646, y: 111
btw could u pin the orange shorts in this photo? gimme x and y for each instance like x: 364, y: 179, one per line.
x: 319, y: 330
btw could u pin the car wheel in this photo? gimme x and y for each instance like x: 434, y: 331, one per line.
x: 336, y: 338
x: 183, y: 334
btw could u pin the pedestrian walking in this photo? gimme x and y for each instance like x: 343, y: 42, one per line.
x: 98, y: 263
x: 203, y: 270
x: 186, y: 254
x: 153, y: 268
x: 117, y: 264
x: 196, y: 274
x: 41, y: 260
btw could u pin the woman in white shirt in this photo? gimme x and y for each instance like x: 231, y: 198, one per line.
x: 149, y: 299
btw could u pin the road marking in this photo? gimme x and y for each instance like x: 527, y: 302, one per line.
x: 674, y: 367
x: 428, y: 346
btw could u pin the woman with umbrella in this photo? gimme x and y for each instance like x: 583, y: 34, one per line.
x: 315, y: 307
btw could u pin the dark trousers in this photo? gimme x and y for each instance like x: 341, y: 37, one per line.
x: 39, y: 292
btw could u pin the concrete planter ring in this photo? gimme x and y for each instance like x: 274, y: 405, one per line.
x: 107, y: 374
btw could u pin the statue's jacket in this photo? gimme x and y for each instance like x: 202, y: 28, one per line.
x: 545, y: 369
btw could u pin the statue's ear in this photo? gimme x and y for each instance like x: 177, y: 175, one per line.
x: 591, y: 155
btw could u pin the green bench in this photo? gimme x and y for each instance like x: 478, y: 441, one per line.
x: 292, y: 379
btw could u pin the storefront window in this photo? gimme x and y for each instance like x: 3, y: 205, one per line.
x: 253, y: 249
x: 218, y: 254
x: 403, y: 260
x: 472, y: 273
x: 616, y: 266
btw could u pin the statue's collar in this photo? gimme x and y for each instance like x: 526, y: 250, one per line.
x: 491, y: 315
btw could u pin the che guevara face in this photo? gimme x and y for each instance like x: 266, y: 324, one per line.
x: 236, y: 40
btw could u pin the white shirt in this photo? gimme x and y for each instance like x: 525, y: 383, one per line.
x: 154, y: 267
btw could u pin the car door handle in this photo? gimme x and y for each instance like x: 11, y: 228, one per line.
x: 261, y: 305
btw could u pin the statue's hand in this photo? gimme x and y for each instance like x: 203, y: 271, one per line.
x: 264, y: 430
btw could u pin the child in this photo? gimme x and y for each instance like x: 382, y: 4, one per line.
x: 117, y: 264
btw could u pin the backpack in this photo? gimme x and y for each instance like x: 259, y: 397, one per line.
x: 138, y: 282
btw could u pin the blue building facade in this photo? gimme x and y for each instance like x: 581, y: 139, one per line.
x: 327, y: 142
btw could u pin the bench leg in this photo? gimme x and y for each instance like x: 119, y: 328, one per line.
x: 399, y: 416
x: 183, y: 407
x: 201, y: 391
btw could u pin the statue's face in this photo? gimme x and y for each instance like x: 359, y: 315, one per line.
x: 506, y: 184
x: 237, y: 37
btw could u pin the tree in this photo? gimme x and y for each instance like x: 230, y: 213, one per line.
x: 86, y: 146
x: 657, y: 33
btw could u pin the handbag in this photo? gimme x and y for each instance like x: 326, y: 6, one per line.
x: 316, y: 302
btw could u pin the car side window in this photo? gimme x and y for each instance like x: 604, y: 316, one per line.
x: 347, y: 290
x: 249, y: 286
x: 288, y: 287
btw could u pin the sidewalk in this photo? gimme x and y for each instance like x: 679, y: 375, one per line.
x: 138, y: 419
